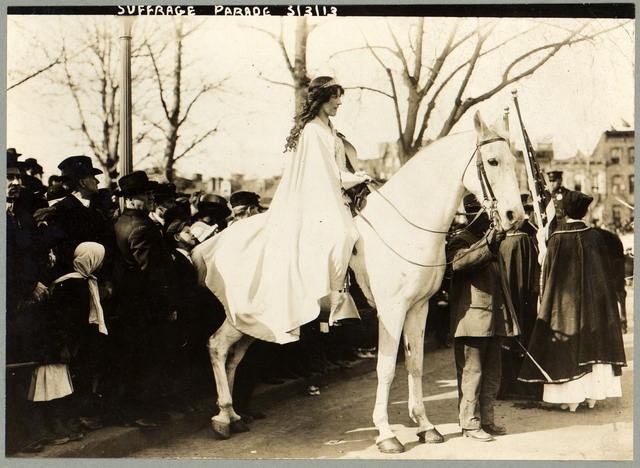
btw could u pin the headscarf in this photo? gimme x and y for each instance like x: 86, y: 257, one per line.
x: 87, y: 258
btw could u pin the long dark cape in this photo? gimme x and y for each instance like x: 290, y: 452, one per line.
x: 578, y: 322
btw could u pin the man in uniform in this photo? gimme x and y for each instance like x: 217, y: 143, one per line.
x: 479, y: 321
x: 558, y: 192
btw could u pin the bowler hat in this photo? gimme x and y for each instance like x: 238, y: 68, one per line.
x: 164, y: 191
x: 215, y: 205
x: 175, y: 227
x: 244, y: 198
x: 55, y: 192
x: 78, y: 166
x: 32, y: 163
x: 576, y: 204
x: 554, y: 175
x: 135, y: 183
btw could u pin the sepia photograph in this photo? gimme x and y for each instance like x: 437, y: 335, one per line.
x: 319, y: 232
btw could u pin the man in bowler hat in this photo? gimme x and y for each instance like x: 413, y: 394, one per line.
x: 145, y: 306
x: 74, y: 219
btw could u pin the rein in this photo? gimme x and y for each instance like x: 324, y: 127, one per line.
x: 486, y: 192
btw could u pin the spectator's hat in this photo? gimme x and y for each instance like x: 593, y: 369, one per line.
x: 164, y: 191
x: 32, y: 163
x: 78, y: 166
x: 13, y: 166
x: 56, y: 192
x: 13, y: 153
x: 554, y: 175
x: 175, y: 227
x: 242, y: 199
x: 135, y: 183
x: 576, y: 204
x: 213, y: 205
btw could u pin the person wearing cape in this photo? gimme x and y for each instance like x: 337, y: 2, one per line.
x: 275, y: 271
x: 577, y: 337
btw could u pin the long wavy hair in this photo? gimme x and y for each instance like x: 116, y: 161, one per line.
x: 317, y: 95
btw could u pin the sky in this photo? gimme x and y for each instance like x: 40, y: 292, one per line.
x: 570, y: 101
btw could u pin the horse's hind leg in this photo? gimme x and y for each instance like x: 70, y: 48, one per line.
x: 237, y: 353
x: 414, y: 326
x: 219, y: 344
x: 388, y: 341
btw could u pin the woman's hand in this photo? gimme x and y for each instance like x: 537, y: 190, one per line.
x: 364, y: 176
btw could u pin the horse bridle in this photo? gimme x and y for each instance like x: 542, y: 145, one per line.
x: 487, y: 193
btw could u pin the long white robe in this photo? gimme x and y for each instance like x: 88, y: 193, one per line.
x: 270, y: 270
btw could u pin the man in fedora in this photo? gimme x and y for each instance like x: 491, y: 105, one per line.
x: 74, y: 220
x: 145, y: 299
x: 164, y: 198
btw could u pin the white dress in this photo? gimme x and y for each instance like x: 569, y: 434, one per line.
x: 599, y: 384
x: 271, y: 270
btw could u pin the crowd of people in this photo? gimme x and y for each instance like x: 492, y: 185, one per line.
x: 106, y: 320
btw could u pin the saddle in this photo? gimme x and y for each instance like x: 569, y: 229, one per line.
x: 357, y: 196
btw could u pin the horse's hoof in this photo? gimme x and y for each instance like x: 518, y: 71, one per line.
x: 391, y: 445
x: 221, y: 430
x: 430, y: 436
x: 239, y: 426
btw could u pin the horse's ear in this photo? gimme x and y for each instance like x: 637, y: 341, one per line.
x: 481, y: 127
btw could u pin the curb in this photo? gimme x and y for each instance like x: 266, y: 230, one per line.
x: 120, y: 442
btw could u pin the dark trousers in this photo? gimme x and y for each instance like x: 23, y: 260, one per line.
x: 478, y: 366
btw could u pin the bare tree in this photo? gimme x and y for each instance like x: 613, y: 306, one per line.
x: 176, y: 98
x: 89, y: 75
x: 295, y: 62
x: 422, y: 79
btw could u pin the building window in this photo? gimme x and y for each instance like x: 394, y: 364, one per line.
x: 615, y: 156
x: 616, y: 184
x: 632, y: 155
x: 632, y: 179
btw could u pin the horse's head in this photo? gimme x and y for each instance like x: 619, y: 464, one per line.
x: 499, y: 165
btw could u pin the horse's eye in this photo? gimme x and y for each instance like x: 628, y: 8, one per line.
x: 492, y: 161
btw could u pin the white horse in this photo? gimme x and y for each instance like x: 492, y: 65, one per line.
x: 399, y: 264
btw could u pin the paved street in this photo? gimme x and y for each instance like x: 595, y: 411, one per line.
x: 337, y: 424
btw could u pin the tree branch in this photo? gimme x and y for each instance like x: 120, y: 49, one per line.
x: 366, y: 88
x: 159, y: 78
x: 196, y: 143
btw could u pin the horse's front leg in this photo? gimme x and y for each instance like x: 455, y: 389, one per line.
x: 414, y: 326
x: 388, y: 341
x: 219, y: 344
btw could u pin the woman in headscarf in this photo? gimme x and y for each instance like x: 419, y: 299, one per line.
x: 76, y: 328
x: 275, y: 271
